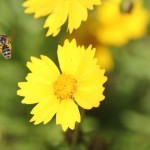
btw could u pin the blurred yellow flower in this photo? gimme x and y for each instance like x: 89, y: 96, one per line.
x: 58, y: 11
x: 117, y: 27
x: 104, y: 57
x: 80, y: 81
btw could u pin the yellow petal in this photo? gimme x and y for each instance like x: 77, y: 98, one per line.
x: 90, y: 88
x: 75, y: 18
x: 34, y: 89
x: 43, y: 68
x: 57, y: 18
x: 67, y: 114
x: 69, y: 57
x: 30, y: 100
x: 50, y: 63
x: 89, y: 97
x: 45, y: 110
x: 89, y: 4
x: 42, y: 8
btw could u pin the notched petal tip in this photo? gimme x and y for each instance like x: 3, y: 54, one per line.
x: 73, y: 41
x: 37, y: 122
x: 106, y: 78
x: 23, y: 102
x: 33, y: 59
x: 28, y: 64
x: 96, y: 104
x: 20, y: 84
x: 25, y: 4
x: 32, y: 119
x: 64, y: 129
x: 43, y: 56
x: 18, y: 92
x: 66, y: 42
x: 103, y: 98
x: 90, y: 47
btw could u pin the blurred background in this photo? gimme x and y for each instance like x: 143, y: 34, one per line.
x: 120, y: 31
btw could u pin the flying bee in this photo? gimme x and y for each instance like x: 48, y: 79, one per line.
x: 5, y: 47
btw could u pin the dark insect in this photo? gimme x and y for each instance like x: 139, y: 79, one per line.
x: 5, y: 47
x: 127, y: 6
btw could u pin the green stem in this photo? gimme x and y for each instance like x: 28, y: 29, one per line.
x: 76, y: 132
x: 75, y: 137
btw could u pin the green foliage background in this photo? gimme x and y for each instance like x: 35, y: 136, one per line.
x: 123, y: 120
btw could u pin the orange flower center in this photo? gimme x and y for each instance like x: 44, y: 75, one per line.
x: 65, y: 86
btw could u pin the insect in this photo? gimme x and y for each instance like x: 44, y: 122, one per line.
x: 127, y: 6
x: 5, y: 46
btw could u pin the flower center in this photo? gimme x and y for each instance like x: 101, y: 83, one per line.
x: 65, y: 86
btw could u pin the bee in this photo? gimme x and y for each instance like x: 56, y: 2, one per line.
x: 127, y: 6
x: 5, y: 46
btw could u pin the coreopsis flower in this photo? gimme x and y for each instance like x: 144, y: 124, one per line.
x: 58, y: 11
x: 117, y: 27
x: 79, y: 82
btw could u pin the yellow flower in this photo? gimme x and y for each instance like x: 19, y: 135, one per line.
x: 117, y: 27
x: 80, y: 82
x: 58, y: 11
x: 104, y: 57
